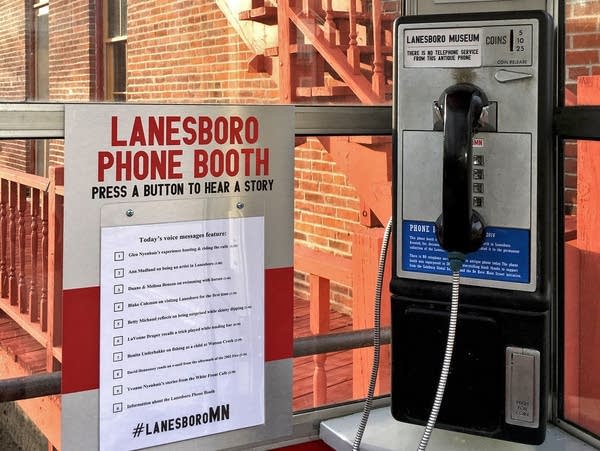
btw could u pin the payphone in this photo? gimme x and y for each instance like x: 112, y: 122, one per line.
x: 475, y: 194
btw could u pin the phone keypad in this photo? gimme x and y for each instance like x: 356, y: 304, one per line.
x: 478, y: 176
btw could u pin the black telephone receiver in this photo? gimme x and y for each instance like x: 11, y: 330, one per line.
x: 459, y: 228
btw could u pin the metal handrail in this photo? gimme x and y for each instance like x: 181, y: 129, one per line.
x: 47, y: 384
x: 319, y: 344
x: 33, y: 386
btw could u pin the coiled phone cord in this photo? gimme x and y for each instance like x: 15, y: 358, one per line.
x: 456, y: 261
x: 376, y: 339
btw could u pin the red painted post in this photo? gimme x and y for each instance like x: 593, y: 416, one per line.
x: 319, y: 324
x: 284, y: 29
x: 378, y: 80
x: 353, y: 50
x: 4, y: 238
x: 21, y: 284
x: 12, y: 239
x: 55, y: 265
x: 588, y: 241
x: 33, y: 305
x: 572, y: 338
x: 44, y: 285
x: 366, y: 246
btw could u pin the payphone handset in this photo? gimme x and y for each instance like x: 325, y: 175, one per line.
x: 475, y: 181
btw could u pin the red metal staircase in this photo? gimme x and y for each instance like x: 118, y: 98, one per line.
x: 328, y: 51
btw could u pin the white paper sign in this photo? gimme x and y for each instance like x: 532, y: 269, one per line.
x: 445, y: 47
x: 182, y: 330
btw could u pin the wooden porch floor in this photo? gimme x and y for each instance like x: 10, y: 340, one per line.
x: 21, y: 347
x: 338, y: 364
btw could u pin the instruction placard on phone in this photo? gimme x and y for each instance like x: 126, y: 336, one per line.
x: 510, y: 45
x: 449, y: 47
x: 504, y: 255
x: 182, y: 330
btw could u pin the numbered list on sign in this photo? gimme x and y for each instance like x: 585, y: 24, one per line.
x: 182, y: 330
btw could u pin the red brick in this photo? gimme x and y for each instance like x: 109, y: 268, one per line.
x: 570, y: 149
x: 586, y: 41
x: 570, y: 181
x: 578, y: 71
x: 343, y: 247
x: 570, y: 166
x: 586, y: 8
x: 580, y: 57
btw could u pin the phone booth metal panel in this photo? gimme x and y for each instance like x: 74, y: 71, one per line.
x: 475, y: 173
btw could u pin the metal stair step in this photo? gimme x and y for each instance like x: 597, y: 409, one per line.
x: 266, y: 15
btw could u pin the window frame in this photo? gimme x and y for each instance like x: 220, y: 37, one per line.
x: 109, y: 43
x: 40, y: 147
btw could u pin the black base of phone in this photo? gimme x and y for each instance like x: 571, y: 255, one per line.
x: 474, y: 399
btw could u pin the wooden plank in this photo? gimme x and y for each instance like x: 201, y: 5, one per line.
x: 34, y: 361
x: 43, y: 309
x: 378, y: 77
x: 572, y: 336
x: 335, y: 268
x: 368, y: 169
x: 11, y: 331
x: 304, y: 385
x: 12, y: 237
x: 319, y: 324
x: 4, y: 240
x: 23, y: 178
x: 33, y: 298
x: 21, y: 345
x: 366, y: 246
x: 266, y: 15
x: 304, y: 364
x: 286, y: 77
x: 22, y: 320
x: 588, y: 241
x: 21, y: 246
x: 55, y: 265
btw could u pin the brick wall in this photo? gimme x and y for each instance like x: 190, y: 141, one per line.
x: 72, y: 58
x: 13, y: 78
x: 325, y: 213
x: 582, y: 42
x: 183, y: 51
x: 12, y: 51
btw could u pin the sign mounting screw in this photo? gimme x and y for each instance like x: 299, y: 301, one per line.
x: 129, y: 213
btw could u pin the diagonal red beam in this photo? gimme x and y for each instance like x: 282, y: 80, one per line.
x: 336, y: 59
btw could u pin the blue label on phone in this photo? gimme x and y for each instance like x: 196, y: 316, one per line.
x: 504, y: 255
